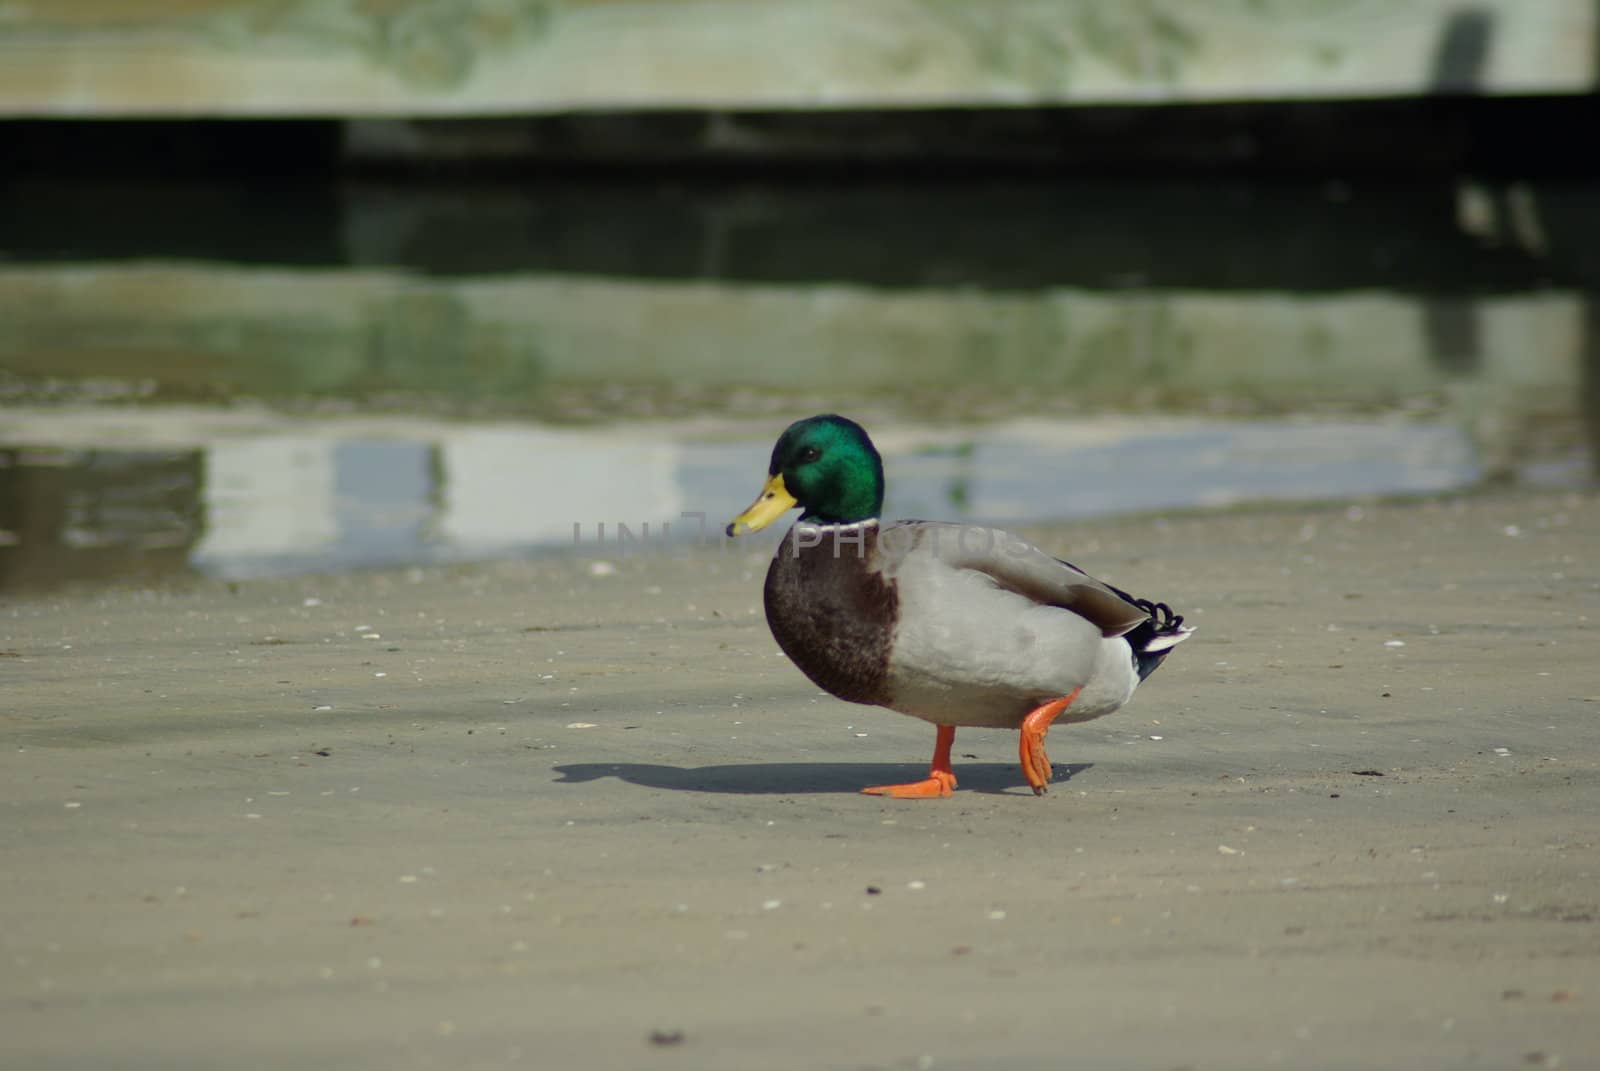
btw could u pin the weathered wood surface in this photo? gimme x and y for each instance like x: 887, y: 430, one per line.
x: 276, y: 332
x: 489, y: 57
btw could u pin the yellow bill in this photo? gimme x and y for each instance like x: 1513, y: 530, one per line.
x: 769, y: 505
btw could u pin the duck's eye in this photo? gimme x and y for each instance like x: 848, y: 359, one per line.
x: 809, y: 454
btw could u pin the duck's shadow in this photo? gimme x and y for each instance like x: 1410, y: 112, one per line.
x: 795, y: 778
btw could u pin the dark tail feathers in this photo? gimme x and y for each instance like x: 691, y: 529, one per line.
x: 1155, y: 639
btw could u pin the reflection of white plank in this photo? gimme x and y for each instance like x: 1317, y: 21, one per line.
x: 314, y: 498
x: 1034, y: 471
x: 266, y: 497
x: 323, y: 502
x: 346, y: 491
x: 507, y: 487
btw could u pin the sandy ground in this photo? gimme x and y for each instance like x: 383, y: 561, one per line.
x: 524, y: 815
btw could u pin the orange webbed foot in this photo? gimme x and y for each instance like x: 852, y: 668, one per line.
x: 939, y: 783
x: 1035, y: 763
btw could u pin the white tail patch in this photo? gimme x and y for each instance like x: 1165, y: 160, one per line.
x: 1168, y: 640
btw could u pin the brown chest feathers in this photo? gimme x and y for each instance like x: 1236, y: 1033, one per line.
x: 832, y: 611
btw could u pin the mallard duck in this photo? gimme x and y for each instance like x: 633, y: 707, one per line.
x: 954, y: 624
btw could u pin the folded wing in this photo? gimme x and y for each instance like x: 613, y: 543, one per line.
x: 1015, y: 565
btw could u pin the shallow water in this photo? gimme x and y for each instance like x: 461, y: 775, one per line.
x: 443, y: 374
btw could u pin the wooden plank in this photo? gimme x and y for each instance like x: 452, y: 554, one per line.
x: 305, y: 332
x: 488, y: 57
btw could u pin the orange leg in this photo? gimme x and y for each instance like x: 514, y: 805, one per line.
x: 941, y: 779
x: 1035, y: 763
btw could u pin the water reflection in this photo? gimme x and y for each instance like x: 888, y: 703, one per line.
x: 298, y: 501
x: 96, y: 514
x: 1459, y: 237
x: 306, y: 499
x: 987, y: 329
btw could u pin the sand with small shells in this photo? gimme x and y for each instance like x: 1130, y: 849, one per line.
x: 543, y: 814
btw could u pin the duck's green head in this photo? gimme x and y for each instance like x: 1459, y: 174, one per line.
x: 827, y: 466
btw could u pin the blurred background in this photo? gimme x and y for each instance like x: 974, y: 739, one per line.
x: 297, y: 285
